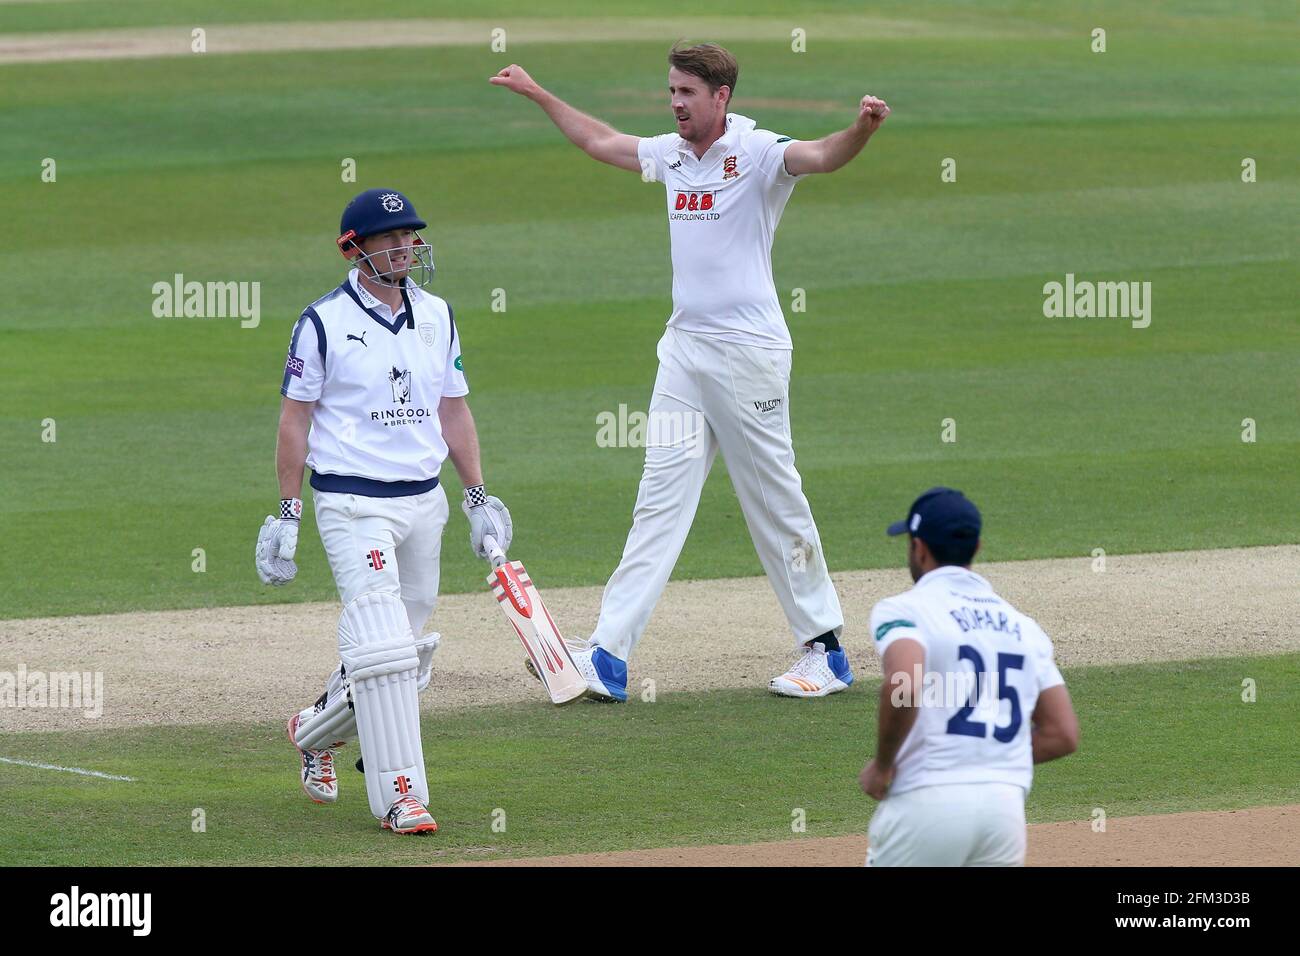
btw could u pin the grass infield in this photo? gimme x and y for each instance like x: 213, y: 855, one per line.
x: 724, y: 767
x: 923, y: 298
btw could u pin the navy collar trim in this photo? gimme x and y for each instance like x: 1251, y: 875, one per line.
x: 398, y: 321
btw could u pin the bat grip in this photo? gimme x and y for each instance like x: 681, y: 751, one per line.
x: 496, y: 556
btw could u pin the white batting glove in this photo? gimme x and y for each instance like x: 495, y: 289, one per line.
x: 277, y: 543
x: 487, y: 515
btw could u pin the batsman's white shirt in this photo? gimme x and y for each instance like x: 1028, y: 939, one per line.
x: 376, y: 383
x: 723, y: 210
x: 985, y: 665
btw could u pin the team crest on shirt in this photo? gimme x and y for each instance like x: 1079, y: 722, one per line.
x: 729, y: 168
x: 400, y: 379
x: 427, y: 333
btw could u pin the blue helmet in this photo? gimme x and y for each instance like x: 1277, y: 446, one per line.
x: 383, y: 210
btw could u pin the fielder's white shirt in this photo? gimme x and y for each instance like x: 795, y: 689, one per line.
x: 376, y: 384
x: 723, y: 210
x: 965, y: 733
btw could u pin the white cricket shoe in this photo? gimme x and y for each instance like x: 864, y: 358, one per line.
x: 408, y: 815
x: 815, y: 674
x: 318, y: 778
x: 605, y: 674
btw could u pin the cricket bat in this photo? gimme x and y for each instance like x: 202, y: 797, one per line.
x: 523, y: 608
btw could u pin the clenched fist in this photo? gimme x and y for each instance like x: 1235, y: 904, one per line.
x: 515, y: 78
x: 872, y: 112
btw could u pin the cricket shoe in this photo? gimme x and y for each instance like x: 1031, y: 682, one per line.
x: 408, y: 815
x: 318, y: 779
x: 815, y: 674
x: 605, y: 674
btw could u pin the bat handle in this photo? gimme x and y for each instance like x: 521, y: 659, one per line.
x: 496, y: 556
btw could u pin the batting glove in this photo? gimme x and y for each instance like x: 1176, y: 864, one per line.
x: 487, y: 515
x: 277, y: 543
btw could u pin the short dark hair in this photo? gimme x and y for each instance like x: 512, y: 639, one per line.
x: 710, y: 62
x: 958, y: 551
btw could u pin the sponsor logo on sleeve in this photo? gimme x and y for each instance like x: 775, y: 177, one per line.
x: 889, y: 626
x: 294, y: 366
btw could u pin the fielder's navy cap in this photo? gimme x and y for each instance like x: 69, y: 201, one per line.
x: 940, y: 516
x: 378, y: 210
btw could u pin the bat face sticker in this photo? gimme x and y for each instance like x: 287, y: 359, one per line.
x: 401, y: 382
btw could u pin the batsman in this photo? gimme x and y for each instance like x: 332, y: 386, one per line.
x: 374, y: 402
x: 724, y: 360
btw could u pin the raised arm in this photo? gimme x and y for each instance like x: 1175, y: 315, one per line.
x: 598, y: 140
x: 829, y: 153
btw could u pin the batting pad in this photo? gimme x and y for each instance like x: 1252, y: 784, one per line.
x: 379, y: 653
x: 425, y: 646
x: 332, y: 722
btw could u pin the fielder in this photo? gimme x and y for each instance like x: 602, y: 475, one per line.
x: 724, y: 360
x: 971, y: 701
x: 374, y: 402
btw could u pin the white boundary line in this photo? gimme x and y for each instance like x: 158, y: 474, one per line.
x: 79, y: 770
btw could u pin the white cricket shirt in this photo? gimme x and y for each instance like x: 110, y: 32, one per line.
x: 723, y: 210
x: 376, y: 384
x: 967, y: 731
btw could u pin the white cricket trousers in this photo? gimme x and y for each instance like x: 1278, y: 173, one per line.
x: 382, y: 544
x: 385, y: 544
x: 712, y: 396
x: 956, y: 824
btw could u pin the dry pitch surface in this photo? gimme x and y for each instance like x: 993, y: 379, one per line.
x: 176, y: 666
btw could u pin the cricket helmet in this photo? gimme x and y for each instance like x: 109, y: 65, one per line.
x: 383, y: 210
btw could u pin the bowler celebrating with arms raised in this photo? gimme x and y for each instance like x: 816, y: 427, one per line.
x: 374, y: 401
x: 724, y: 360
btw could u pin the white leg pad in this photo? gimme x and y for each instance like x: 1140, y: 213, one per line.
x: 425, y: 646
x: 331, y: 722
x: 382, y: 666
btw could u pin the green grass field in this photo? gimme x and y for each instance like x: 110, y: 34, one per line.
x: 924, y: 303
x: 923, y: 298
x: 598, y: 777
